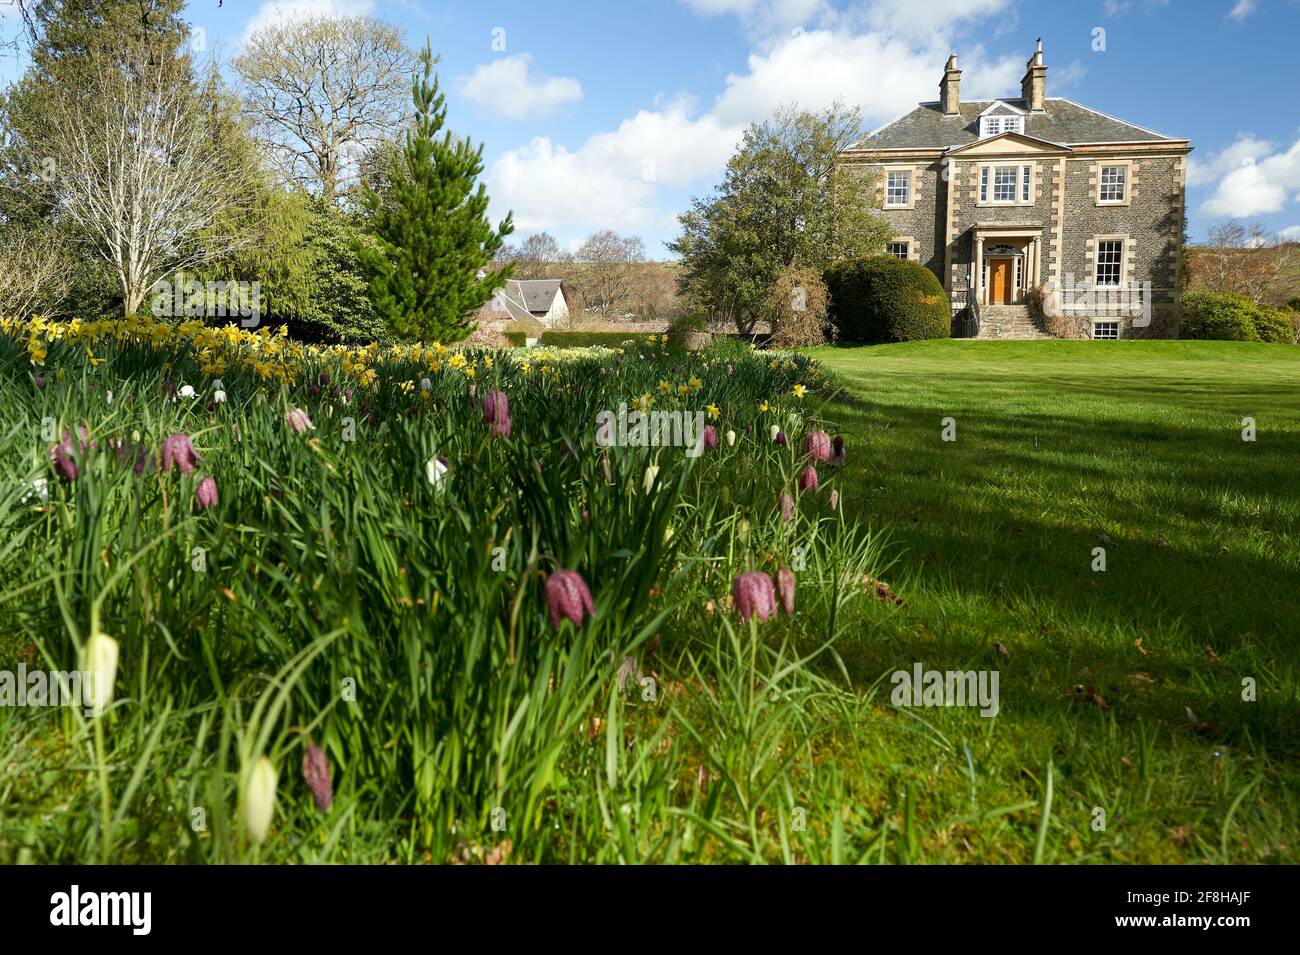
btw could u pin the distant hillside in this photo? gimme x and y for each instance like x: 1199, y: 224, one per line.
x: 1269, y: 273
x: 640, y: 291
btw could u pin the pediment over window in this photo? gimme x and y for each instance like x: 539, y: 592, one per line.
x: 1011, y: 144
x: 1002, y: 108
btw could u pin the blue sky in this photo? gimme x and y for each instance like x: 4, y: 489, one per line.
x: 612, y: 114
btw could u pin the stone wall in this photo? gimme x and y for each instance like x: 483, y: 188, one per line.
x: 922, y: 223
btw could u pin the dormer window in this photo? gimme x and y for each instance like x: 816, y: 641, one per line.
x: 996, y: 125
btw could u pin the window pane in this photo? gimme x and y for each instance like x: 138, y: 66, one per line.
x: 897, y: 188
x: 1026, y: 172
x: 984, y: 184
x: 1113, y: 182
x: 898, y: 250
x: 1110, y: 257
x: 1106, y: 330
x: 1004, y: 184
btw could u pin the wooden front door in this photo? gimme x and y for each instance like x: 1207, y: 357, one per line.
x: 1000, y: 281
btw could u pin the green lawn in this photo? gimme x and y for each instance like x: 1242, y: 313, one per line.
x: 1062, y: 447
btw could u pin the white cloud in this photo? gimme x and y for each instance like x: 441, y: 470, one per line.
x: 1246, y: 148
x: 769, y: 16
x: 282, y: 11
x: 614, y: 179
x: 1241, y: 9
x: 1063, y: 77
x: 509, y: 87
x: 549, y: 187
x: 1256, y: 185
x: 667, y: 145
x: 610, y: 181
x: 1114, y: 8
x: 817, y: 67
x: 925, y: 18
x: 1290, y: 234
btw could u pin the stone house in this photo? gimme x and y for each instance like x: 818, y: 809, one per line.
x: 1003, y: 198
x: 532, y: 306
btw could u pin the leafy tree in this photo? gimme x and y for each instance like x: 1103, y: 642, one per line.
x: 433, y: 236
x: 281, y: 255
x: 340, y: 309
x: 784, y: 203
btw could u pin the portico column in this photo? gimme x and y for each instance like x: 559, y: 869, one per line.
x: 978, y: 278
x: 1037, y: 247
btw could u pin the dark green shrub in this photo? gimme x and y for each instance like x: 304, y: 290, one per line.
x: 1209, y: 315
x: 1214, y: 317
x: 690, y: 322
x: 883, y: 299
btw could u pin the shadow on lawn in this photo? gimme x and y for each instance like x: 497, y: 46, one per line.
x: 1051, y: 677
x: 994, y: 522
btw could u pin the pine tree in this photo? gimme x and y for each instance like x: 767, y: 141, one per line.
x: 431, y: 231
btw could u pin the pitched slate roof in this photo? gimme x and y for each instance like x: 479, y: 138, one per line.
x: 502, y: 307
x: 1061, y: 121
x: 536, y: 295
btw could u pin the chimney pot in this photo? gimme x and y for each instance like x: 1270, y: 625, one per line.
x: 1033, y: 88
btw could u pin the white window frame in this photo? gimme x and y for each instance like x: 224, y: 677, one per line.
x: 910, y: 190
x: 996, y: 125
x: 907, y: 248
x: 1096, y: 326
x: 1022, y: 189
x: 1127, y: 169
x: 1120, y: 265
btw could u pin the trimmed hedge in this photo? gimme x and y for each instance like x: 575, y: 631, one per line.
x: 1211, y: 316
x: 880, y: 298
x: 581, y: 339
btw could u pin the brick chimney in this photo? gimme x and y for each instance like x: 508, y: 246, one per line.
x: 950, y: 87
x: 1033, y: 88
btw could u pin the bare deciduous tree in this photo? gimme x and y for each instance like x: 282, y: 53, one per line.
x: 137, y: 166
x: 34, y: 271
x: 1241, y: 259
x: 536, y: 257
x: 607, y: 277
x: 322, y: 90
